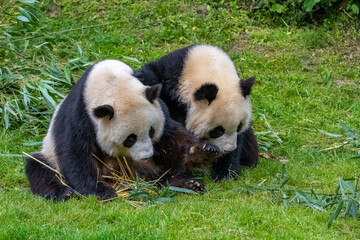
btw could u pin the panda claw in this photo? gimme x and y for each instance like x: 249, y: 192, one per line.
x: 212, y: 149
x: 188, y: 183
x: 196, y: 186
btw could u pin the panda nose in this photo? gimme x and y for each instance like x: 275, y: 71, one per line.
x: 229, y: 147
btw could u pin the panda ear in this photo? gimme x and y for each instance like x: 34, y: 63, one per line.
x: 245, y: 86
x: 153, y: 92
x: 103, y: 111
x: 207, y: 91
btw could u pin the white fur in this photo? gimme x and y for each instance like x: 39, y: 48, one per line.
x: 48, y: 144
x: 141, y: 149
x: 208, y: 64
x: 227, y: 142
x: 111, y: 83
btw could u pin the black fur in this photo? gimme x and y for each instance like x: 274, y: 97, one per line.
x: 153, y: 92
x: 167, y: 70
x: 246, y: 85
x: 229, y: 165
x: 75, y: 144
x: 206, y: 91
x: 103, y: 111
x: 45, y: 182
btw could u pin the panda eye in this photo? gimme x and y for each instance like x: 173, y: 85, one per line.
x: 217, y: 132
x: 239, y: 127
x: 130, y: 140
x: 151, y: 132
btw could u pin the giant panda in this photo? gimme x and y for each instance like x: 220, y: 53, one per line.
x: 110, y: 115
x: 203, y: 92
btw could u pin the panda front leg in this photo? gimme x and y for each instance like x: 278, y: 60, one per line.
x: 228, y: 166
x: 44, y: 182
x: 245, y: 155
x: 83, y: 174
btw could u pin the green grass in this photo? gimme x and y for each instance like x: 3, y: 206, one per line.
x: 307, y: 79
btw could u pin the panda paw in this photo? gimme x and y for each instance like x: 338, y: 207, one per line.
x: 190, y: 184
x: 218, y: 177
x: 60, y: 194
x: 196, y: 186
x: 67, y: 193
x: 104, y: 193
x: 202, y: 154
x: 209, y: 151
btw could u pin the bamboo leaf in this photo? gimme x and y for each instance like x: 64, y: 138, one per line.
x: 283, y: 183
x: 349, y: 186
x: 26, y: 44
x: 336, y: 213
x: 23, y: 18
x: 79, y: 49
x: 74, y: 60
x: 132, y: 59
x: 12, y: 155
x: 341, y: 187
x: 138, y: 195
x: 51, y: 89
x: 283, y: 171
x: 349, y: 207
x: 27, y: 15
x: 19, y: 112
x: 42, y: 44
x: 348, y: 131
x: 26, y: 99
x: 27, y: 1
x: 163, y: 199
x: 354, y: 209
x: 6, y: 119
x: 32, y: 144
x: 182, y: 190
x: 9, y: 109
x: 50, y: 101
x: 330, y: 134
x: 67, y: 74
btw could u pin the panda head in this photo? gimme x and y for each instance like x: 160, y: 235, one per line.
x: 126, y: 114
x: 218, y: 102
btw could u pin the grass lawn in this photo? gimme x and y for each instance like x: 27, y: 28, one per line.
x: 307, y: 82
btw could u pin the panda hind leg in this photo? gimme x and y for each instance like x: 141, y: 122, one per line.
x: 44, y: 182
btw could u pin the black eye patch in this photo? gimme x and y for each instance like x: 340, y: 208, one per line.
x: 130, y: 140
x: 151, y: 132
x: 217, y: 132
x: 239, y: 127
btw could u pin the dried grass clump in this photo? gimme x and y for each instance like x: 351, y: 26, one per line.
x: 129, y: 185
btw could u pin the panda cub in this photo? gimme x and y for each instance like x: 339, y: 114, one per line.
x: 110, y: 115
x: 203, y: 92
